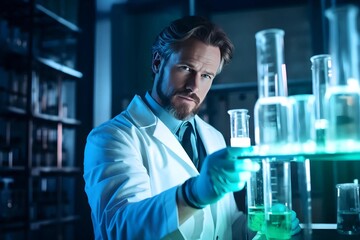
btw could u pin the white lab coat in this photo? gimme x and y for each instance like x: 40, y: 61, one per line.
x: 133, y: 165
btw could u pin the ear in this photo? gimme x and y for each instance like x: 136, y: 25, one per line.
x: 156, y: 61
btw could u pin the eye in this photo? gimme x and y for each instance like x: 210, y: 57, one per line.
x: 185, y: 68
x: 207, y: 76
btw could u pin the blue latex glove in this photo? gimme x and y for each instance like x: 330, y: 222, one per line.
x: 221, y: 173
x: 295, y: 224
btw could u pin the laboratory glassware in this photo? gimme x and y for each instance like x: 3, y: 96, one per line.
x: 342, y: 97
x: 303, y: 117
x: 255, y: 202
x: 278, y: 198
x: 321, y: 73
x: 239, y: 128
x: 272, y: 109
x: 348, y: 208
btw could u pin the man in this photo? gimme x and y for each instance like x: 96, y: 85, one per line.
x: 141, y: 182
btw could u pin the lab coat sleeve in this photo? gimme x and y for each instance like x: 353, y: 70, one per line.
x: 118, y: 188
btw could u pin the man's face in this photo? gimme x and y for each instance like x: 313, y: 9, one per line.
x: 182, y: 82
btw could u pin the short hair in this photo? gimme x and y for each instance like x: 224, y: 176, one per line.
x: 171, y: 38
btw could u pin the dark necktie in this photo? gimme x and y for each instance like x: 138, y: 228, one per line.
x: 187, y: 139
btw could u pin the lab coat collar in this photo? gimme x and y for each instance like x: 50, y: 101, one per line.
x: 206, y: 134
x: 144, y: 119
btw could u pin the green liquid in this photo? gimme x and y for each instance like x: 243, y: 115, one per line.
x: 256, y: 218
x: 278, y: 225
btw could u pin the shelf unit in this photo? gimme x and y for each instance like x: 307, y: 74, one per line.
x: 38, y: 79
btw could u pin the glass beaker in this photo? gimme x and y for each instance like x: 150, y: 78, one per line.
x: 255, y: 201
x: 277, y: 198
x: 348, y: 208
x: 239, y: 128
x: 321, y: 73
x: 272, y: 109
x: 342, y: 97
x: 270, y: 63
x: 303, y: 121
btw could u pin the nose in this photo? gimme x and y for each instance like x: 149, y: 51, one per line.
x: 193, y: 82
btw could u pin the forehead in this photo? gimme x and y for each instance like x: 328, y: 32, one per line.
x: 193, y: 50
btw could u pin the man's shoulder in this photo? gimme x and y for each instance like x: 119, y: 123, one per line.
x: 135, y: 115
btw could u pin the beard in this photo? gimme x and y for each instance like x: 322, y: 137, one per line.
x: 179, y: 110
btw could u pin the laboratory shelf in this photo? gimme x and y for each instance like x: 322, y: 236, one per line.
x: 51, y: 19
x: 50, y: 171
x: 10, y: 171
x: 56, y: 119
x: 252, y: 86
x: 15, y: 112
x: 41, y: 223
x: 39, y: 170
x: 59, y: 67
x: 11, y: 225
x: 317, y: 155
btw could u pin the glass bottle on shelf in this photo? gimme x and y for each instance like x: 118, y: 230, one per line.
x: 272, y: 109
x: 321, y: 73
x: 343, y: 94
x: 52, y: 98
x: 6, y: 200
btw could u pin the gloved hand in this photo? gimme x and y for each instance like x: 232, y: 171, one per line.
x: 295, y: 224
x: 221, y: 173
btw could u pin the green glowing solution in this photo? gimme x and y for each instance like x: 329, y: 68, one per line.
x: 256, y: 218
x: 278, y: 225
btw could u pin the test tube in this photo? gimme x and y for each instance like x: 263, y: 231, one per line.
x: 321, y: 73
x: 239, y: 128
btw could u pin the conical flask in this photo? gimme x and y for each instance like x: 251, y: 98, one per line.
x: 342, y: 97
x: 271, y: 112
x: 321, y: 73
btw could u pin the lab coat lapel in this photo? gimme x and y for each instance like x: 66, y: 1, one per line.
x: 211, y: 141
x: 144, y: 118
x: 163, y: 134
